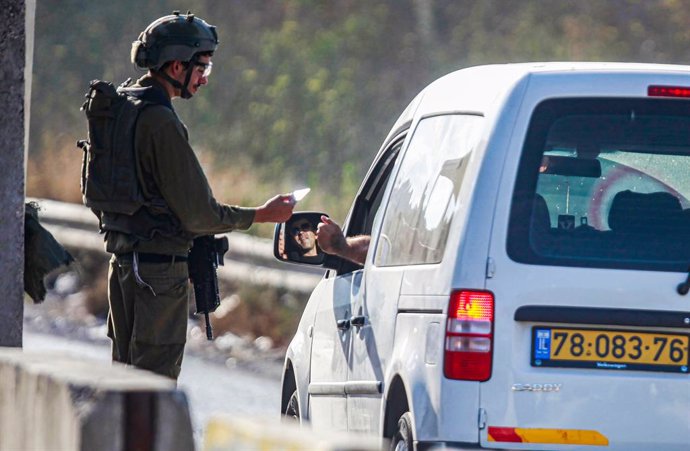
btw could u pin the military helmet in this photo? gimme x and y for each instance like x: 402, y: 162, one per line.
x: 174, y: 37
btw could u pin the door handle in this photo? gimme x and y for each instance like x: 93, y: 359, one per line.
x: 343, y: 324
x: 358, y: 321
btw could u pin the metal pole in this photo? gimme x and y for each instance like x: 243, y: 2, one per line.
x: 16, y: 53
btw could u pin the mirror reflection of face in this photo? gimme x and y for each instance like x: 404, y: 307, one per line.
x: 304, y: 234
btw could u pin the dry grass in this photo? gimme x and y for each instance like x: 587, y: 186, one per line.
x: 54, y: 172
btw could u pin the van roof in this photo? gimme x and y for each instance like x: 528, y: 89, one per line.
x: 482, y: 89
x: 515, y: 71
x: 568, y: 66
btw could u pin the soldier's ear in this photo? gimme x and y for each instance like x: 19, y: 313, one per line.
x: 176, y: 68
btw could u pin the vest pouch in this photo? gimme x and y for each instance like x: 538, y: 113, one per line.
x: 143, y: 224
x: 109, y: 166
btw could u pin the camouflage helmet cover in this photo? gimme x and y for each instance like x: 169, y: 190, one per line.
x: 174, y: 37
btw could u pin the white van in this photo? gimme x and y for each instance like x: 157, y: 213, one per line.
x: 526, y: 282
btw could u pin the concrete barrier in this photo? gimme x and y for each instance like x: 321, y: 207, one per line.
x: 227, y: 433
x: 52, y: 401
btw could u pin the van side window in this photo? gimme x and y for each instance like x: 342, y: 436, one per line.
x: 425, y: 192
x: 604, y: 183
x: 368, y: 202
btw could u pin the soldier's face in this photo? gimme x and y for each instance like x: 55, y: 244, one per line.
x: 200, y: 74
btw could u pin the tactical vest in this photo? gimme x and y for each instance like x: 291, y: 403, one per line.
x: 110, y: 183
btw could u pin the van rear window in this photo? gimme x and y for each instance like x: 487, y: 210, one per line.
x: 604, y: 183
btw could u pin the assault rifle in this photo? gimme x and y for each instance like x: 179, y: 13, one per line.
x: 206, y: 254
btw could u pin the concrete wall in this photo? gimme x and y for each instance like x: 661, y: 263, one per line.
x: 54, y: 401
x: 57, y: 401
x: 16, y: 30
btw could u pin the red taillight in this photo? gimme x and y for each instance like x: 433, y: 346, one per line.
x: 469, y: 335
x: 668, y: 91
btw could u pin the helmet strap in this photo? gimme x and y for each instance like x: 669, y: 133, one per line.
x: 184, y: 92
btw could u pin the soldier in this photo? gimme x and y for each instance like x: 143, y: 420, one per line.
x: 148, y: 275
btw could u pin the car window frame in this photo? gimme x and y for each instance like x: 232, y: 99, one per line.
x: 361, y: 218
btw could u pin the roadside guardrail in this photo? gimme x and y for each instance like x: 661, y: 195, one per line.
x: 249, y: 260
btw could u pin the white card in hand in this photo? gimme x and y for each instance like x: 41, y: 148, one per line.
x: 300, y: 194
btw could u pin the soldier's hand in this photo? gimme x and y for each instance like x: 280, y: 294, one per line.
x: 276, y: 209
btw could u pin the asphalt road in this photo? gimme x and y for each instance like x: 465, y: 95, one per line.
x: 210, y: 387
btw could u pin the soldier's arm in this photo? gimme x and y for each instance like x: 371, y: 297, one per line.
x: 185, y: 188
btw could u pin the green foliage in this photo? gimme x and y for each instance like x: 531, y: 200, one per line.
x: 304, y: 91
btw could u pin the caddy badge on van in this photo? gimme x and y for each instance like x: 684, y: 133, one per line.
x: 537, y: 387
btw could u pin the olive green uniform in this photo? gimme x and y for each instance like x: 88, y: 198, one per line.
x: 148, y: 317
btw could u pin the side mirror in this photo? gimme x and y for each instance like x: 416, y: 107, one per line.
x: 295, y: 240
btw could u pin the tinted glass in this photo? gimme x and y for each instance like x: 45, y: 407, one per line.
x: 425, y: 192
x: 605, y: 183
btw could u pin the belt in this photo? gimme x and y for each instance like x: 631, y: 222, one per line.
x: 151, y: 258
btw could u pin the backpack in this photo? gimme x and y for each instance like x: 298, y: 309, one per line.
x: 109, y: 179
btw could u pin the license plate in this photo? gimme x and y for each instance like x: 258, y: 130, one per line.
x: 609, y: 349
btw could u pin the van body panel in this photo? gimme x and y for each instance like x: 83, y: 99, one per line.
x: 404, y: 306
x: 481, y: 89
x: 586, y: 399
x: 438, y: 405
x: 372, y: 344
x: 329, y: 356
x: 298, y: 354
x: 470, y: 237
